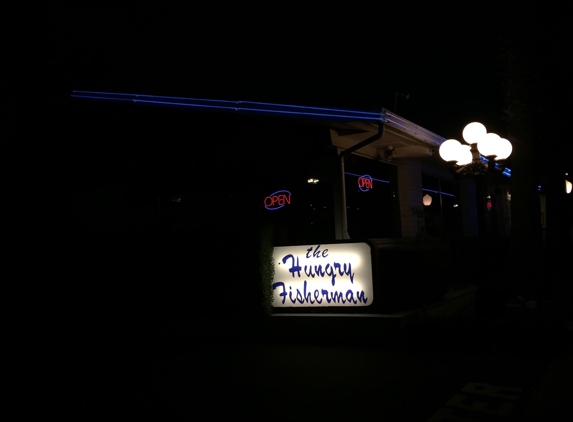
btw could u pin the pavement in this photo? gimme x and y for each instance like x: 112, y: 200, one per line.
x: 306, y: 367
x: 508, y: 360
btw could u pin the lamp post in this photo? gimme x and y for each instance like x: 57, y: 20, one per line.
x: 467, y: 159
x: 484, y: 153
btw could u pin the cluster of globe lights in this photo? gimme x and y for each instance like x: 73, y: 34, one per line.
x: 467, y: 157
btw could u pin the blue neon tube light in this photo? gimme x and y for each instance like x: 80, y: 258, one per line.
x: 438, y: 192
x: 236, y: 106
x: 373, y: 178
x: 250, y: 107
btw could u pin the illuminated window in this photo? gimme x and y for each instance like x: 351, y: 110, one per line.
x: 372, y: 203
x: 443, y: 215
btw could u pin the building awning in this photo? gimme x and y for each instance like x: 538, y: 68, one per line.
x: 401, y: 138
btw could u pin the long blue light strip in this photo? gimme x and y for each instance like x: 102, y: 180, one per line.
x: 251, y: 106
x: 239, y: 106
x: 360, y: 175
x: 219, y: 107
x: 127, y: 97
x: 438, y: 192
x: 359, y: 112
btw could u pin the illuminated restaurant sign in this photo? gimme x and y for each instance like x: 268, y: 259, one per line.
x: 322, y: 275
x: 365, y: 183
x: 277, y: 200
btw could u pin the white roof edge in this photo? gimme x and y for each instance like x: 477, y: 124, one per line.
x: 404, y: 125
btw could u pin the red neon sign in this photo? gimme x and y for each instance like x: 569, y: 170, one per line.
x: 365, y: 183
x: 277, y: 200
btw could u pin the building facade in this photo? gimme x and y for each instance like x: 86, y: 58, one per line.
x: 316, y: 174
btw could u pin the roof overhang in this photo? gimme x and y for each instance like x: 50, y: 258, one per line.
x: 401, y: 138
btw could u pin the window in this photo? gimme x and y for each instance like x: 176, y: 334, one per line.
x: 372, y: 203
x: 443, y: 216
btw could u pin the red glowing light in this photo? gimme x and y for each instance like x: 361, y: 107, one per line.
x: 365, y: 183
x: 277, y: 200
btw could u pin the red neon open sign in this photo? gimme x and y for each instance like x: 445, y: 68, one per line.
x: 277, y: 200
x: 365, y: 183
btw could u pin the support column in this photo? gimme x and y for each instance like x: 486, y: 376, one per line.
x: 340, y: 215
x: 409, y: 194
x: 469, y: 208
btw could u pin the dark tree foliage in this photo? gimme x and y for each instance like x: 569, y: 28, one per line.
x: 535, y: 69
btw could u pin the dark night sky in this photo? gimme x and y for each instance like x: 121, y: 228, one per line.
x: 340, y: 58
x: 446, y: 59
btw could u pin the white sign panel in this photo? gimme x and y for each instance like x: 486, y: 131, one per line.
x: 337, y: 274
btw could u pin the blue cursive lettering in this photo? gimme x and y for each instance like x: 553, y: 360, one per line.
x: 305, y: 297
x: 317, y: 252
x: 294, y: 268
x: 283, y: 293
